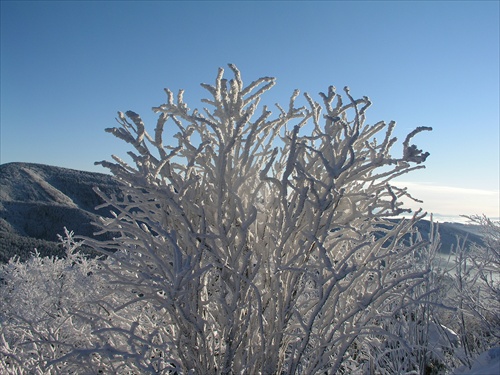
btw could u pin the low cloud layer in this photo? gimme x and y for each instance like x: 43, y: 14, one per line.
x: 447, y: 203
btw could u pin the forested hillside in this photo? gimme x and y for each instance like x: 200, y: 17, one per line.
x: 37, y: 201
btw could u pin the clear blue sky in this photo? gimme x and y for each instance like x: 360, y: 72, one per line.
x: 68, y: 67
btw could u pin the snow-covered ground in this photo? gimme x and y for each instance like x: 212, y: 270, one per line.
x: 487, y: 363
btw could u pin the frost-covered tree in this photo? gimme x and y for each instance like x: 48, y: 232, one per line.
x: 253, y: 243
x: 262, y: 244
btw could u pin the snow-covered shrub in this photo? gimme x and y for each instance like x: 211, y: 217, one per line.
x: 40, y: 300
x: 257, y: 244
x: 55, y: 307
x: 472, y: 285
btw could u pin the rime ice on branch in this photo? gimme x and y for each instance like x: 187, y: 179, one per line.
x: 261, y: 242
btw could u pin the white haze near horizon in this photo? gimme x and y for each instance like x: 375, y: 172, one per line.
x: 451, y: 204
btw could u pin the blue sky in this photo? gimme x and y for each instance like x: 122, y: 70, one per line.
x: 68, y: 67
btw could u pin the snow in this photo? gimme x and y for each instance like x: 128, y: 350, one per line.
x: 487, y: 363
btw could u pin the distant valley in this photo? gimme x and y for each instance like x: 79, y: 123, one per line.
x: 37, y: 201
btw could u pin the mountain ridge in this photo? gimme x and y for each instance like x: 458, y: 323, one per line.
x: 37, y: 201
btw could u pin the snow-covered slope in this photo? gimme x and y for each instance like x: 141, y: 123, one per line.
x: 37, y: 201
